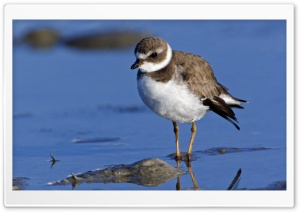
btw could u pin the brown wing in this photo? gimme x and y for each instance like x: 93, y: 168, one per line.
x: 201, y: 81
x: 199, y: 75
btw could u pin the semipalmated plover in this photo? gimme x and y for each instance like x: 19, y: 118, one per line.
x: 180, y: 86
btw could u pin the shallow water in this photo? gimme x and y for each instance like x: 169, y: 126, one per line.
x: 62, y: 95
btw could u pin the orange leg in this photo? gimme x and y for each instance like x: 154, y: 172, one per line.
x: 176, y: 131
x: 193, y: 129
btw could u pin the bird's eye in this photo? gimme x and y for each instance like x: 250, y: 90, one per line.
x: 153, y: 55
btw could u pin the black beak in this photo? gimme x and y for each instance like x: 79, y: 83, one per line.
x: 136, y: 64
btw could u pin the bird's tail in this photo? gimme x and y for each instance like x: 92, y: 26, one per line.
x: 220, y: 107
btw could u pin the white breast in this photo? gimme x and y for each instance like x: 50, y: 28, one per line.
x: 170, y: 100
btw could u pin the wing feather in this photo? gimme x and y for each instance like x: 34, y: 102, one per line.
x: 200, y: 79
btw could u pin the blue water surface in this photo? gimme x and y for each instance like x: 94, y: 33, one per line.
x: 61, y: 94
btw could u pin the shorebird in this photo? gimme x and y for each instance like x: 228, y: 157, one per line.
x: 180, y: 86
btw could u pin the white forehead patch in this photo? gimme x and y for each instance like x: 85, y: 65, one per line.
x: 141, y: 55
x: 150, y: 67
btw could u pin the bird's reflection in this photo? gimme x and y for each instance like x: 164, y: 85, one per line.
x: 188, y: 163
x: 235, y: 182
x: 53, y: 160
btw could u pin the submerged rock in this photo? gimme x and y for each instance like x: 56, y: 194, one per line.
x: 218, y: 151
x: 147, y: 172
x: 225, y: 150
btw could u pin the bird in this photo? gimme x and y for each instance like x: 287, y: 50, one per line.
x: 180, y: 87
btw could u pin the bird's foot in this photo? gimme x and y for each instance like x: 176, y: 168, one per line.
x: 178, y: 157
